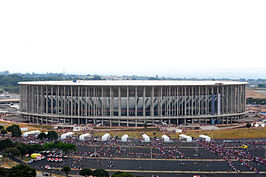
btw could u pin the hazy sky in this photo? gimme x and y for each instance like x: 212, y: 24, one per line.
x: 168, y: 38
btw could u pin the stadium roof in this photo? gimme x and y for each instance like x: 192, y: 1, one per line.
x: 132, y: 83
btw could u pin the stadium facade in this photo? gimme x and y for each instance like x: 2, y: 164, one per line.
x: 132, y: 102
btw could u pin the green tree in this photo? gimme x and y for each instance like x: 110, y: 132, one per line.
x: 12, y: 127
x: 1, y: 127
x: 52, y: 135
x: 22, y: 148
x: 66, y: 147
x: 85, y: 172
x: 12, y: 151
x: 248, y: 125
x: 16, y: 133
x: 21, y: 170
x: 49, y: 146
x: 15, y: 130
x: 3, y: 172
x: 6, y: 143
x: 41, y: 136
x: 66, y: 170
x: 3, y: 132
x: 100, y: 173
x: 122, y: 174
x: 145, y: 125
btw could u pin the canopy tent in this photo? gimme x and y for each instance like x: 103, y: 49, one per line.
x: 166, y: 138
x: 76, y: 129
x: 146, y: 138
x: 106, y: 137
x: 186, y: 138
x: 36, y: 132
x: 35, y: 155
x: 24, y: 129
x: 205, y: 138
x: 124, y: 138
x: 84, y: 136
x: 178, y: 130
x: 67, y: 135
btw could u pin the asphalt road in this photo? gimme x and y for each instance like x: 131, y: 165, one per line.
x: 136, y: 159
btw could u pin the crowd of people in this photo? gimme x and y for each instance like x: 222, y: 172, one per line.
x: 240, y: 156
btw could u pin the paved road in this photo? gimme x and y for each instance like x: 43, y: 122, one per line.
x: 168, y: 159
x: 135, y: 158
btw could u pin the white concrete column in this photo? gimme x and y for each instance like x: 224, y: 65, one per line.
x: 177, y: 97
x: 94, y: 102
x: 152, y: 102
x: 127, y: 103
x: 161, y: 101
x: 52, y: 100
x: 71, y: 107
x: 111, y: 102
x: 144, y: 99
x: 185, y: 92
x: 208, y: 100
x: 86, y: 102
x: 103, y: 102
x: 78, y: 101
x: 199, y: 99
x: 119, y: 101
x: 192, y: 100
x: 46, y: 99
x: 57, y: 100
x: 136, y: 103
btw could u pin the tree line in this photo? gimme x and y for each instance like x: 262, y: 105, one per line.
x: 260, y: 101
x: 9, y: 82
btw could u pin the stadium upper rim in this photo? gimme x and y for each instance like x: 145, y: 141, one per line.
x: 132, y: 83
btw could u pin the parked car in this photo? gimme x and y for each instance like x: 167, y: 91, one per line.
x: 47, y: 167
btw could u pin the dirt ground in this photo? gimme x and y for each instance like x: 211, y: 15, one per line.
x: 255, y: 93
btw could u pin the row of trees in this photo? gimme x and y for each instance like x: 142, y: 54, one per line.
x: 20, y: 149
x: 13, y: 129
x: 97, y: 173
x: 16, y: 132
x: 19, y: 170
x: 9, y: 82
x: 260, y: 101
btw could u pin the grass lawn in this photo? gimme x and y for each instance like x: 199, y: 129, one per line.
x: 259, y: 132
x: 6, y: 162
x: 216, y: 134
x: 26, y: 159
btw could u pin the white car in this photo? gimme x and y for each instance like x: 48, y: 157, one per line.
x: 47, y: 167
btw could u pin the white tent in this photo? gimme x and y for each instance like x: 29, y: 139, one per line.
x: 24, y: 129
x: 67, y: 135
x: 146, y: 138
x: 76, y: 129
x: 36, y: 132
x: 205, y: 138
x: 106, y: 137
x: 178, y: 130
x: 185, y: 138
x: 124, y: 138
x: 84, y: 136
x: 166, y: 138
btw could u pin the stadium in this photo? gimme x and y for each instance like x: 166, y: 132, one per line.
x: 132, y: 102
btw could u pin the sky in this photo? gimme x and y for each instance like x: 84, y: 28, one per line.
x: 190, y: 38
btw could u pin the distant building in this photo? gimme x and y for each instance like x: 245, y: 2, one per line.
x: 132, y: 102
